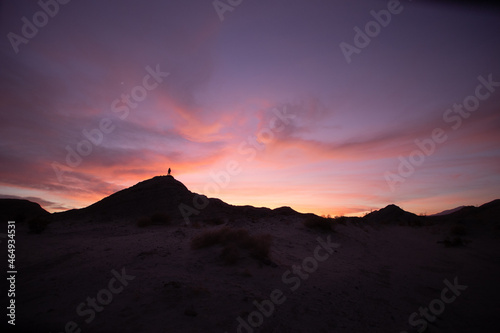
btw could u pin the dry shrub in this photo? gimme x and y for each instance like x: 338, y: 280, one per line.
x: 340, y: 219
x: 260, y: 246
x: 319, y: 223
x: 454, y: 242
x: 143, y: 222
x: 160, y: 218
x: 234, y: 240
x: 208, y: 238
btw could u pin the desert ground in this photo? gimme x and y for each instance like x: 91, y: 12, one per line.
x: 360, y: 276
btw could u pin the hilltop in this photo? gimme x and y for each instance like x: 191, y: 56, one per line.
x: 166, y: 195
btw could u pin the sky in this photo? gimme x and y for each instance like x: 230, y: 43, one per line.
x: 330, y: 107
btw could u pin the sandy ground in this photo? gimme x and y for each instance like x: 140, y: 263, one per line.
x: 372, y: 282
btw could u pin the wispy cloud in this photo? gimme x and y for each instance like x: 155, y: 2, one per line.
x: 351, y: 122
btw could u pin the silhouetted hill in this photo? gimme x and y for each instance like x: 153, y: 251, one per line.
x: 20, y: 210
x: 393, y: 214
x: 285, y: 210
x: 448, y: 211
x: 472, y: 221
x: 492, y: 207
x: 488, y: 212
x: 161, y: 193
x: 165, y: 194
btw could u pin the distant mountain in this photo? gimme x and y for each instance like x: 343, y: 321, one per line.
x: 448, y: 211
x: 392, y: 214
x: 20, y: 210
x: 487, y: 212
x: 165, y: 194
x: 485, y: 217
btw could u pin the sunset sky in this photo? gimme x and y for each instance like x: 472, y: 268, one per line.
x: 262, y: 107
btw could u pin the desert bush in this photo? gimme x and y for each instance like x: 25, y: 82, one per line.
x: 234, y: 240
x: 454, y: 242
x: 143, y: 222
x: 340, y: 219
x: 208, y: 238
x: 160, y: 218
x: 322, y: 224
x: 260, y: 246
x: 38, y: 224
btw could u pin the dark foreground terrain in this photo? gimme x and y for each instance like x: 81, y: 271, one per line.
x: 282, y: 272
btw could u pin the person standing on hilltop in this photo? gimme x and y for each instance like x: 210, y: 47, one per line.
x: 169, y: 171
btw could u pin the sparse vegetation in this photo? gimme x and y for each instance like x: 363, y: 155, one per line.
x: 144, y: 222
x: 454, y: 242
x: 340, y: 220
x: 234, y: 240
x: 38, y: 224
x: 323, y: 224
x: 455, y: 239
x: 155, y: 219
x: 160, y: 218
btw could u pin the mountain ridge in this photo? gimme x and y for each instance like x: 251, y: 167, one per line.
x: 165, y: 194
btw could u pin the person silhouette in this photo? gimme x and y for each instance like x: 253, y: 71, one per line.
x: 169, y: 171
